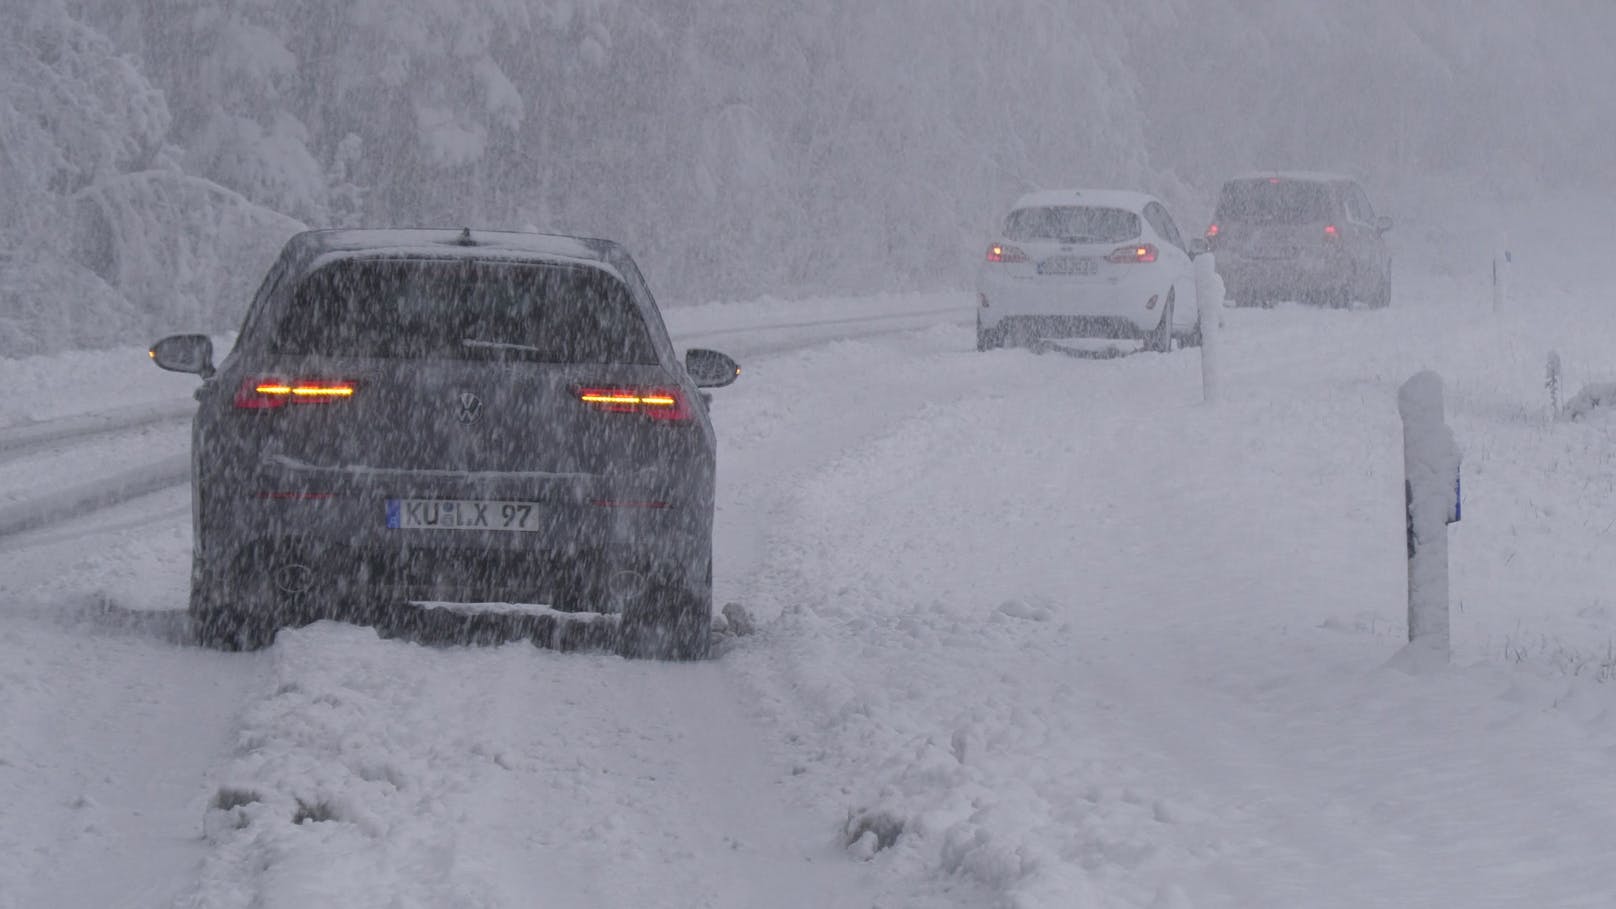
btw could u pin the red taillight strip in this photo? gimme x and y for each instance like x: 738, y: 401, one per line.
x: 1141, y: 253
x: 999, y: 252
x: 261, y: 394
x: 656, y: 403
x: 322, y: 391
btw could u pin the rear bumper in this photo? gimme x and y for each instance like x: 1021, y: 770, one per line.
x: 1282, y: 278
x: 653, y: 525
x: 1105, y: 308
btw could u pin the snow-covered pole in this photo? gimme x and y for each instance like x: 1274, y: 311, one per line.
x: 1501, y: 265
x: 1209, y: 301
x: 1431, y: 497
x: 1551, y: 381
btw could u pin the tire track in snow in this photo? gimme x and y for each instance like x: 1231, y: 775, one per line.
x: 19, y: 439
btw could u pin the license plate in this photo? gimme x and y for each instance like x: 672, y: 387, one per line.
x: 461, y: 514
x: 1273, y: 252
x: 1067, y: 265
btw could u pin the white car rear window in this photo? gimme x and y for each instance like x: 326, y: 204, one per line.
x: 1072, y: 224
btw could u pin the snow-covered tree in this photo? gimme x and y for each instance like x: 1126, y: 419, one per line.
x: 72, y: 112
x: 104, y: 234
x: 744, y: 147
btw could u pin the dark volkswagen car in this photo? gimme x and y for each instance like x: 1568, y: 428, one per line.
x: 1300, y: 236
x: 452, y: 416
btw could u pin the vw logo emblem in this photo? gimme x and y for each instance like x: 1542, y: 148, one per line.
x: 471, y: 407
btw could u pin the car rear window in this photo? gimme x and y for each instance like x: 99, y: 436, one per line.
x: 1280, y: 202
x: 461, y: 309
x: 1072, y: 224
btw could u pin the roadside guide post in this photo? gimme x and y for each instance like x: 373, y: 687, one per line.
x: 1209, y: 300
x: 1431, y: 497
x: 1502, y: 261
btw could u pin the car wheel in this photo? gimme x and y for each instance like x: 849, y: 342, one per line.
x: 989, y: 338
x: 1382, y: 296
x: 221, y: 626
x: 1331, y: 298
x: 1193, y: 339
x: 242, y: 607
x: 1161, y: 340
x: 671, y: 622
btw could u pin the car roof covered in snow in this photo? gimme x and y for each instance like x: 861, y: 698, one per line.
x: 1102, y: 198
x: 521, y: 246
x: 1313, y: 176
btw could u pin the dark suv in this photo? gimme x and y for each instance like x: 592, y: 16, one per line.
x: 450, y: 416
x: 1300, y: 236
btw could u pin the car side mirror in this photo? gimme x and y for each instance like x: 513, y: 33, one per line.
x: 1199, y: 246
x: 709, y: 368
x: 1383, y: 223
x: 184, y: 353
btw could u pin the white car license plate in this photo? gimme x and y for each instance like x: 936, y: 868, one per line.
x: 1274, y: 252
x: 1067, y: 265
x: 461, y: 514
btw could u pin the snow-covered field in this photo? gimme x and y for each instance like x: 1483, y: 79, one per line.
x: 1036, y: 631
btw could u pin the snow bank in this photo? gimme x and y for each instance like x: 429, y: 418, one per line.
x: 1023, y: 643
x: 331, y: 800
x: 80, y: 383
x: 1590, y: 399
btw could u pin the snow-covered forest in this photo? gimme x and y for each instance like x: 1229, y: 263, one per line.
x: 153, y: 154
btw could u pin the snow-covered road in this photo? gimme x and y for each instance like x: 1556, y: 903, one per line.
x: 1077, y: 639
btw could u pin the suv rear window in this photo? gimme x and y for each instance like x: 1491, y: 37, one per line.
x: 1072, y: 224
x: 1282, y: 202
x: 459, y: 309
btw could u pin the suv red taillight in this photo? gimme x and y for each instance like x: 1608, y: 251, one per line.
x: 1001, y: 253
x: 267, y: 393
x: 1330, y: 232
x: 1212, y: 231
x: 655, y: 403
x: 1129, y: 255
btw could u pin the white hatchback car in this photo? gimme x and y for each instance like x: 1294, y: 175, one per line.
x: 1088, y: 264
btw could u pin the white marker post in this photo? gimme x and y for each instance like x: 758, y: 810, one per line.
x: 1501, y: 265
x: 1551, y: 381
x: 1431, y: 496
x: 1209, y: 292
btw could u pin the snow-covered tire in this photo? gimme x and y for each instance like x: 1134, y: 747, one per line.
x: 1193, y: 339
x: 220, y: 627
x: 670, y: 622
x: 240, y: 608
x: 1382, y: 296
x: 1161, y: 340
x: 989, y: 338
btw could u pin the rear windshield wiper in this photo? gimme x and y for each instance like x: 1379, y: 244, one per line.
x: 500, y: 345
x: 537, y: 353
